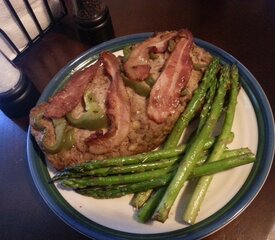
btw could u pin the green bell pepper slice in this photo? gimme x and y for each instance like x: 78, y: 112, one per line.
x: 150, y: 81
x: 59, y: 127
x: 141, y: 88
x: 68, y: 139
x: 37, y: 121
x: 127, y: 51
x: 93, y: 119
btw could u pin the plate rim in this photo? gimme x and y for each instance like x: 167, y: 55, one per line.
x: 244, y: 196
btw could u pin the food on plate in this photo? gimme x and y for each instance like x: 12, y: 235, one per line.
x: 157, y: 176
x: 101, y: 130
x: 99, y: 113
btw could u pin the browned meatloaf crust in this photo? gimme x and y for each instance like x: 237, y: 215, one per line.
x: 144, y: 134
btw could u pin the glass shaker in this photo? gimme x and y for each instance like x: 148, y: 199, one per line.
x: 17, y: 93
x: 93, y: 21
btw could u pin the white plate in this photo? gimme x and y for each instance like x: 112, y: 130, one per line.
x: 229, y: 194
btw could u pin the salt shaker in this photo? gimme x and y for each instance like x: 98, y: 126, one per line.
x: 93, y: 21
x: 17, y: 93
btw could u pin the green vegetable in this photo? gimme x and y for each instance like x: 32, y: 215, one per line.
x: 139, y: 167
x: 106, y: 171
x: 94, y: 118
x: 198, y: 195
x: 127, y: 51
x: 37, y: 121
x: 185, y: 92
x: 153, y: 55
x: 140, y: 198
x: 171, y: 45
x: 210, y: 168
x: 207, y: 106
x: 150, y: 81
x: 199, y: 66
x: 68, y: 139
x: 119, y: 191
x: 226, y: 154
x: 192, y: 155
x: 59, y: 127
x: 141, y: 88
x: 127, y: 160
x: 113, y: 191
x: 114, y: 180
x: 147, y: 210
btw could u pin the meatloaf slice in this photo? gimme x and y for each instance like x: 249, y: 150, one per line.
x: 144, y: 134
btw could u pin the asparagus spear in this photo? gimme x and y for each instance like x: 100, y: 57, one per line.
x: 206, y: 169
x: 207, y: 106
x: 140, y: 198
x: 146, y: 212
x: 226, y: 154
x: 198, y: 195
x: 135, y: 168
x: 192, y: 155
x: 119, y: 191
x: 210, y: 168
x: 120, y: 161
x: 115, y: 180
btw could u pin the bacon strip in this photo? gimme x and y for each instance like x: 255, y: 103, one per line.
x: 118, y: 110
x: 67, y: 99
x: 165, y: 94
x: 137, y: 66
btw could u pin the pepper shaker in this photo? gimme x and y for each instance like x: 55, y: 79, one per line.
x: 17, y: 93
x: 93, y: 21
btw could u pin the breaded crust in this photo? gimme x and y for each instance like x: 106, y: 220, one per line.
x: 144, y: 135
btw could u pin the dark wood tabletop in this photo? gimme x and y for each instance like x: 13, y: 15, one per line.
x: 245, y: 29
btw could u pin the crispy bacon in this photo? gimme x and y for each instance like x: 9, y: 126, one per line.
x: 165, y: 94
x: 118, y: 110
x: 66, y: 100
x: 137, y: 66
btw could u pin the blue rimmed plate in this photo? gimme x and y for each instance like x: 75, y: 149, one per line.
x: 230, y: 192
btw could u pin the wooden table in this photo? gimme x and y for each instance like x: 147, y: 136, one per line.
x: 246, y: 29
